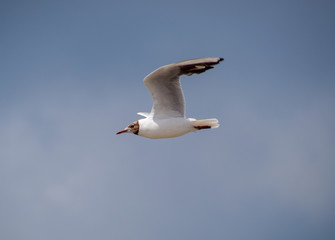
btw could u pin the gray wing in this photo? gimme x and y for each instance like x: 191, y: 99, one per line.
x: 165, y: 89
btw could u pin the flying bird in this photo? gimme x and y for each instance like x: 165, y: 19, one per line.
x: 167, y: 117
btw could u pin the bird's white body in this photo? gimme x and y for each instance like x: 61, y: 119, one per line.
x: 165, y: 128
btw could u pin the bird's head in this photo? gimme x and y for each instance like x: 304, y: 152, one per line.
x: 131, y: 128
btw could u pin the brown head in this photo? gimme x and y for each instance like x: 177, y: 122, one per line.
x: 131, y: 128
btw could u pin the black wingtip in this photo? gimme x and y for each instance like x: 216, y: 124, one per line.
x: 221, y: 59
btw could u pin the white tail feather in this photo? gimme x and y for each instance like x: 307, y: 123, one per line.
x: 205, y: 123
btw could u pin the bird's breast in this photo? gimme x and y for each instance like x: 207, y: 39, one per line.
x: 164, y: 128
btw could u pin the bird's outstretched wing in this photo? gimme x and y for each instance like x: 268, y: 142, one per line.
x: 165, y: 89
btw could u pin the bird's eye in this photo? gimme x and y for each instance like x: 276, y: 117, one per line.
x: 132, y: 126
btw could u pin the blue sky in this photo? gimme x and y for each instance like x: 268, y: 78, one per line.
x: 71, y: 77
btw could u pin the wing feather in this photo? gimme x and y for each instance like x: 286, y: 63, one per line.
x: 165, y: 89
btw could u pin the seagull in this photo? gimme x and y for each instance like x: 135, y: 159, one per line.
x: 167, y: 117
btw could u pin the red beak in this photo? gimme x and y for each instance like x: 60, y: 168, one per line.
x: 122, y: 131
